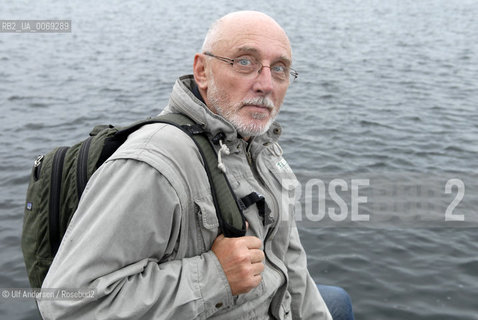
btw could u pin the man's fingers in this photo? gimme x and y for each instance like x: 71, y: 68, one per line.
x: 256, y: 255
x: 252, y: 242
x: 242, y: 261
x: 257, y: 279
x: 257, y: 268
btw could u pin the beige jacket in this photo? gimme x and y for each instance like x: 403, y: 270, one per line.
x: 142, y: 234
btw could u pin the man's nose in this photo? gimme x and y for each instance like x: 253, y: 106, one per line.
x: 264, y: 81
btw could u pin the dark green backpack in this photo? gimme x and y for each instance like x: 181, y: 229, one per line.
x: 59, y: 178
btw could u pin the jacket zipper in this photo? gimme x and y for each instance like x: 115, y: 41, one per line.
x: 270, y: 235
x: 257, y: 174
x: 55, y: 197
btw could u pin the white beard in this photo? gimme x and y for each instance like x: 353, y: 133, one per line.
x: 245, y: 127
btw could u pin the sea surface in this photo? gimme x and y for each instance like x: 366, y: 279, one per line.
x: 381, y: 128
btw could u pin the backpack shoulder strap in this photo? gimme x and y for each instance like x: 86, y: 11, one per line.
x: 230, y: 215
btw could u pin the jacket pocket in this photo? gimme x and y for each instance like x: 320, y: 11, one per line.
x: 207, y: 221
x: 251, y: 295
x: 286, y: 184
x: 282, y: 172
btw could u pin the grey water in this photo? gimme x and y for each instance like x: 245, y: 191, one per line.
x: 386, y: 100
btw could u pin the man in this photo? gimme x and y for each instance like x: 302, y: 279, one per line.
x: 146, y: 236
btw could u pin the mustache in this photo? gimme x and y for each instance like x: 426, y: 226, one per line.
x: 259, y: 101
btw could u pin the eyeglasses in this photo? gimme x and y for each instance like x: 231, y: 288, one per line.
x: 249, y: 65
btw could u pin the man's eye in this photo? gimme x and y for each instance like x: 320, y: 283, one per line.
x: 244, y: 62
x: 279, y: 68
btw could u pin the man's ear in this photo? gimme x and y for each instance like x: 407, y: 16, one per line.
x: 199, y: 69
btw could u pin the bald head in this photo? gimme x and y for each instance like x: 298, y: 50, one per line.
x: 223, y: 31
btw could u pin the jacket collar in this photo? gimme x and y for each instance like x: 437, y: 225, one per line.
x: 183, y: 100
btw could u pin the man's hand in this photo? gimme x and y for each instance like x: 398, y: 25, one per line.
x: 242, y: 261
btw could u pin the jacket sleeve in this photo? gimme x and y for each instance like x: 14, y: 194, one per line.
x: 118, y: 243
x: 307, y: 303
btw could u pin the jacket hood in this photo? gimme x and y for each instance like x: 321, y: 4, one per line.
x: 182, y: 100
